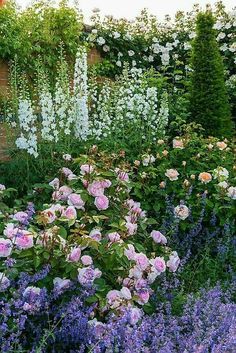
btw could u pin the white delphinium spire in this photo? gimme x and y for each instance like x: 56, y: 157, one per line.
x: 28, y: 130
x: 80, y: 97
x: 49, y: 131
x: 163, y: 116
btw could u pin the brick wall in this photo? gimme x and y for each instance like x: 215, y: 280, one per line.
x: 4, y: 77
x: 3, y: 144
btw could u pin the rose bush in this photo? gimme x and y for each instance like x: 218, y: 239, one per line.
x: 86, y: 226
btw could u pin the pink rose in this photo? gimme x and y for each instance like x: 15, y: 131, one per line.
x: 173, y: 262
x: 24, y: 240
x: 178, y: 143
x: 55, y: 183
x: 86, y: 260
x: 125, y: 293
x: 96, y: 189
x: 159, y: 264
x: 86, y: 169
x: 62, y: 193
x: 101, y: 202
x: 135, y: 315
x: 74, y: 255
x: 76, y: 201
x: 158, y: 237
x: 10, y: 230
x: 123, y: 176
x: 70, y: 213
x: 131, y: 228
x: 72, y: 177
x: 112, y: 296
x: 114, y: 237
x: 205, y: 177
x: 143, y: 296
x: 181, y: 212
x: 172, y: 174
x: 95, y: 234
x: 142, y: 261
x: 66, y: 171
x: 87, y: 275
x: 5, y: 247
x: 105, y: 183
x: 20, y: 217
x: 130, y: 252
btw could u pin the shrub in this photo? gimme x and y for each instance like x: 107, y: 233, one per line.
x: 209, y: 101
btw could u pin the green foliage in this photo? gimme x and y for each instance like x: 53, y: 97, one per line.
x: 209, y: 101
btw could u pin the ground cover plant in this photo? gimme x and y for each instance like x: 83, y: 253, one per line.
x: 117, y: 203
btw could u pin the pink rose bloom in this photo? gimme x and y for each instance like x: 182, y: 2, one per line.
x: 159, y: 264
x: 127, y: 282
x: 135, y: 315
x: 49, y: 215
x: 114, y: 237
x: 178, y: 143
x: 61, y: 284
x: 85, y: 183
x: 142, y: 261
x: 24, y: 240
x: 125, y: 293
x: 62, y: 193
x: 86, y: 169
x: 87, y: 276
x: 140, y: 283
x: 221, y: 145
x: 10, y: 230
x: 173, y: 262
x: 158, y: 237
x: 96, y: 189
x: 66, y: 171
x: 131, y: 228
x: 105, y: 183
x: 143, y: 296
x: 74, y: 255
x: 172, y: 174
x: 55, y: 183
x: 101, y: 202
x: 112, y: 296
x: 123, y: 176
x: 86, y: 260
x: 181, y: 212
x: 20, y: 217
x: 5, y: 247
x: 2, y: 187
x: 135, y: 272
x: 232, y: 192
x: 95, y: 234
x: 130, y: 252
x: 70, y: 213
x: 76, y: 201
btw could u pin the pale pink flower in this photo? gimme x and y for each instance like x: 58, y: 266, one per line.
x: 130, y: 252
x: 62, y: 193
x: 74, y: 255
x: 158, y: 237
x: 70, y: 213
x: 173, y: 262
x: 2, y: 187
x: 232, y: 192
x: 221, y: 145
x: 76, y: 201
x: 159, y: 264
x: 5, y: 247
x: 4, y: 282
x: 123, y: 176
x: 55, y: 183
x: 143, y: 296
x: 125, y: 293
x: 61, y: 284
x: 49, y: 215
x: 113, y: 237
x: 24, y: 240
x: 31, y: 292
x: 86, y: 169
x: 113, y: 297
x: 101, y: 202
x: 10, y: 230
x: 86, y: 260
x: 96, y: 189
x: 172, y: 174
x: 66, y: 171
x: 181, y: 212
x: 20, y: 216
x: 142, y: 261
x: 87, y: 276
x: 95, y: 234
x: 135, y: 272
x: 67, y: 157
x: 178, y: 143
x: 105, y: 183
x: 72, y: 177
x: 135, y: 315
x: 131, y: 228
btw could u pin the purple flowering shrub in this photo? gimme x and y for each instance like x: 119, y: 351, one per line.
x: 89, y: 230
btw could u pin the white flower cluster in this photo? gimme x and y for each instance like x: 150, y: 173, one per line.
x: 49, y: 131
x: 80, y: 98
x: 28, y: 128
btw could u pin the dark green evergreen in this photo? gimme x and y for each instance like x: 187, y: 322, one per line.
x: 208, y: 98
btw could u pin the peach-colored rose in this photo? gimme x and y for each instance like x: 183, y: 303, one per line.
x: 205, y: 177
x: 221, y: 145
x: 172, y: 174
x: 165, y: 153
